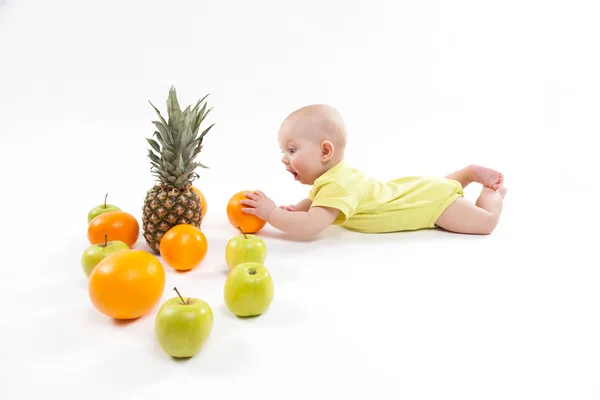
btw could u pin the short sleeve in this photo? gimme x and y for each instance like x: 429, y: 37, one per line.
x: 334, y: 195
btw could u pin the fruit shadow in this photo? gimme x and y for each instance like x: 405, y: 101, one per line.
x: 124, y: 322
x: 135, y: 327
x: 282, y: 313
x: 221, y: 355
x: 228, y: 350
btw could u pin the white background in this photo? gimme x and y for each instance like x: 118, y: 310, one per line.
x: 425, y: 87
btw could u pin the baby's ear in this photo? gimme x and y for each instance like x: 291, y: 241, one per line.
x: 327, y: 150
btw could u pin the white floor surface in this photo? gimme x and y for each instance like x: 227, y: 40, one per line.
x: 425, y: 87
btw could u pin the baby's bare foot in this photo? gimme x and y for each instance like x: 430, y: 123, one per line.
x: 486, y: 176
x: 502, y: 190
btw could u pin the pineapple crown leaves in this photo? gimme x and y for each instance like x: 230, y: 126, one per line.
x: 178, y: 143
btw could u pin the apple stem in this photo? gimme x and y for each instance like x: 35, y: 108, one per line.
x: 105, y: 240
x: 182, y: 300
x: 242, y: 232
x: 105, y: 200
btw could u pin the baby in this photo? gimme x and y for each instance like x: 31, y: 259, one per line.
x: 313, y: 139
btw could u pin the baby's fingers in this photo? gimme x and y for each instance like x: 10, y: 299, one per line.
x: 251, y: 195
x: 250, y: 203
x: 249, y: 210
x: 260, y: 194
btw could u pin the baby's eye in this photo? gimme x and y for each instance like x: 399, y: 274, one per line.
x: 291, y: 150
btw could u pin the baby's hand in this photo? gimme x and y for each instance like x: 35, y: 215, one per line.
x: 288, y: 208
x: 258, y: 204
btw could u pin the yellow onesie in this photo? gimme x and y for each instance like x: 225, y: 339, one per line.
x: 370, y: 206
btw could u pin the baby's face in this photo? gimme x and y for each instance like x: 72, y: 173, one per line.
x: 301, y: 155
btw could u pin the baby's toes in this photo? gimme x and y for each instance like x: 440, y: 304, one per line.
x: 496, y: 181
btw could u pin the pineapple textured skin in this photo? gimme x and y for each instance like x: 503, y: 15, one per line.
x: 178, y: 141
x: 166, y: 207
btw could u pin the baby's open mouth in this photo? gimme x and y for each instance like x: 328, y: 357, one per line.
x: 293, y: 173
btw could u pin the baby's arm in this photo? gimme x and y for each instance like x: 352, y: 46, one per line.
x: 296, y: 223
x: 302, y: 223
x: 303, y: 205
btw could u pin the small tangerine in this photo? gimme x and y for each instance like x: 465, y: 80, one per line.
x: 183, y: 247
x: 117, y: 225
x: 202, y: 201
x: 249, y: 223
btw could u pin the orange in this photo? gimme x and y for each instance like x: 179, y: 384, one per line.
x: 202, y: 200
x: 118, y: 225
x: 183, y: 247
x: 127, y: 284
x: 249, y: 223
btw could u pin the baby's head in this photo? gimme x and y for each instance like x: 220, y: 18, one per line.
x: 312, y: 139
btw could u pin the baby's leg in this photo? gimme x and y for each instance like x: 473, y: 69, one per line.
x: 476, y: 173
x: 480, y: 218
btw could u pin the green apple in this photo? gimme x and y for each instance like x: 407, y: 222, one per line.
x: 98, y: 252
x: 182, y: 326
x: 248, y: 289
x: 245, y: 248
x: 102, y: 208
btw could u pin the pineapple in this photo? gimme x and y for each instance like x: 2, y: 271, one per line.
x: 172, y: 200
